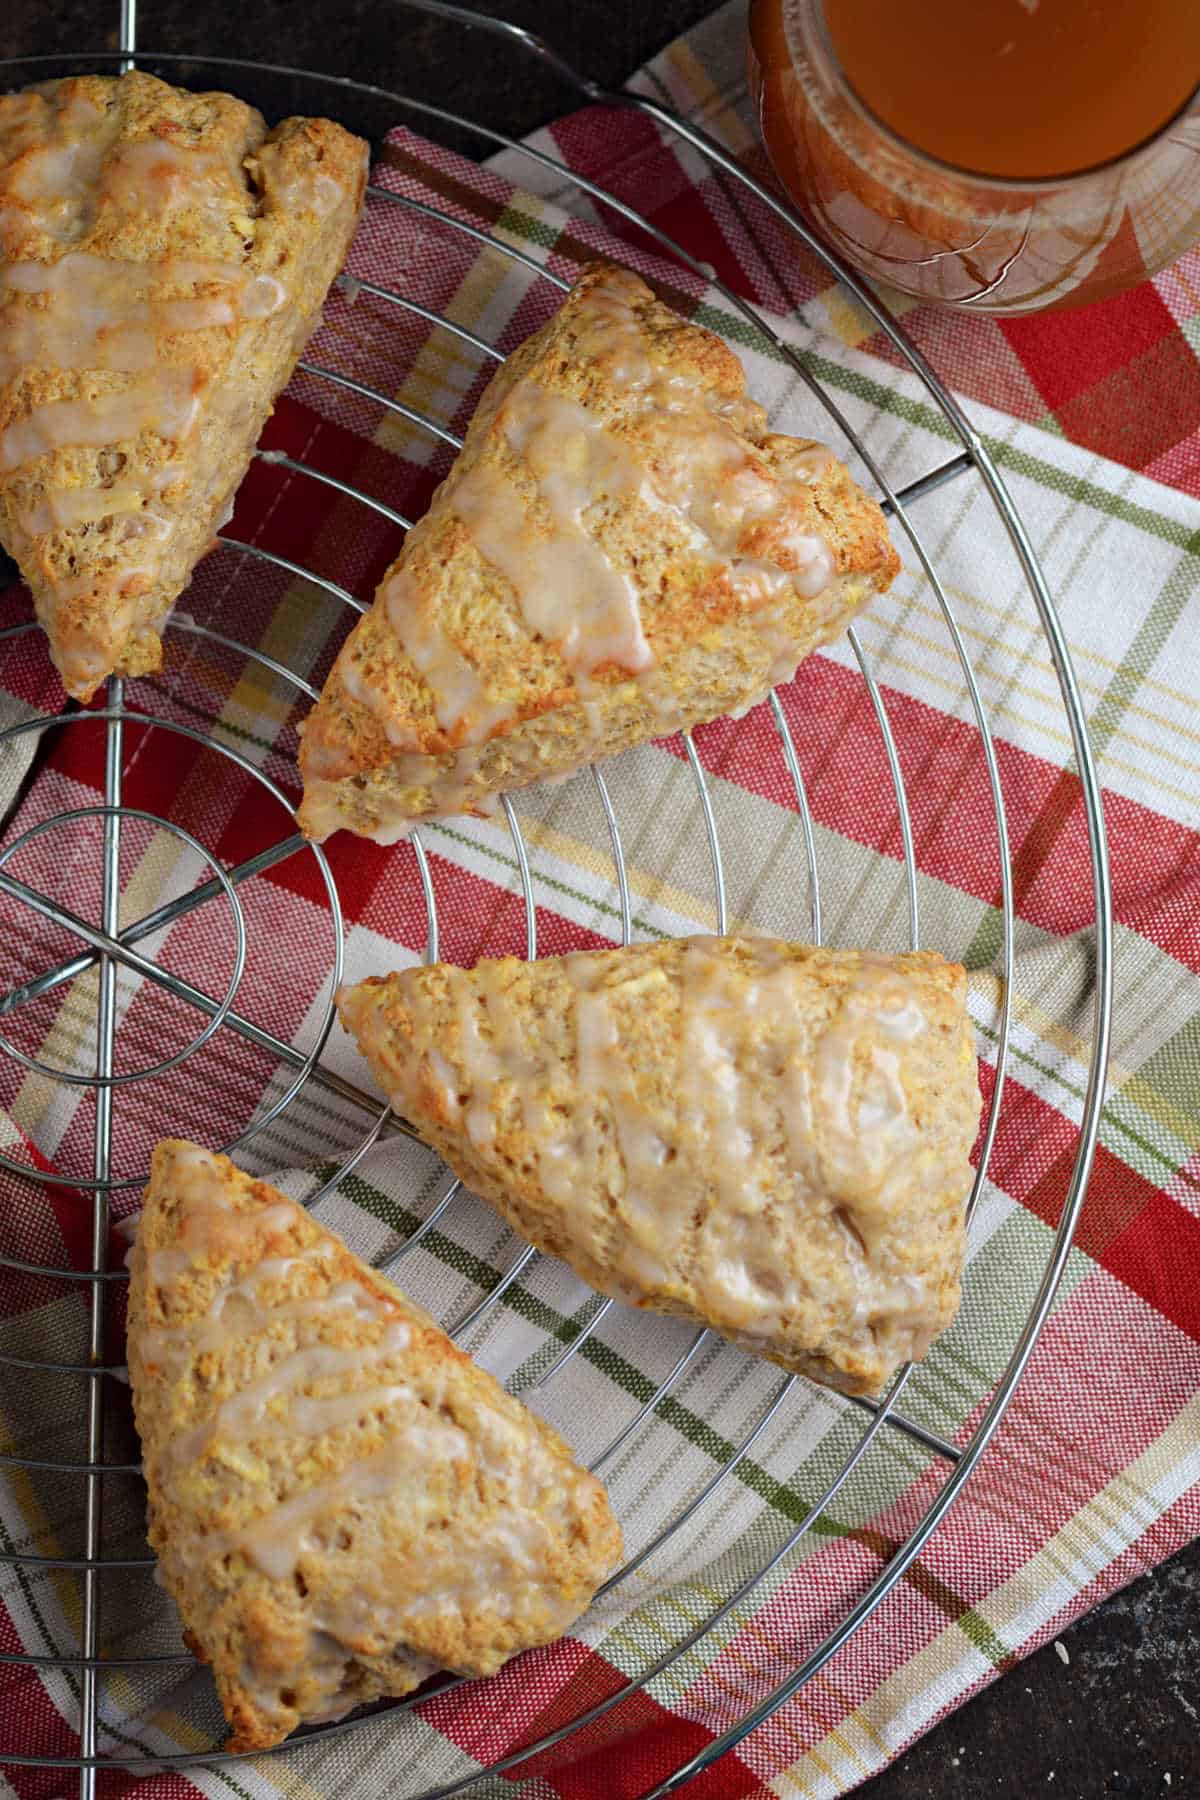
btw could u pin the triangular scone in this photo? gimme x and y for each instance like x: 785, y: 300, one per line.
x: 768, y: 1138
x: 341, y: 1502
x: 622, y: 548
x: 162, y: 260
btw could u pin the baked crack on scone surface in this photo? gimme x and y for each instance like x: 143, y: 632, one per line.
x: 163, y: 259
x: 341, y: 1502
x: 771, y: 1139
x: 622, y: 549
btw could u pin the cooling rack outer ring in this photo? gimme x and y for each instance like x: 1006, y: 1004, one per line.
x: 972, y: 457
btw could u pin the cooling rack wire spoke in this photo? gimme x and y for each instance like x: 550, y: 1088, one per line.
x: 26, y: 1559
x: 277, y: 459
x: 593, y: 1324
x: 710, y: 827
x: 90, y: 1467
x: 787, y: 744
x: 724, y: 1471
x: 155, y: 921
x: 618, y: 853
x: 51, y: 909
x: 464, y: 1323
x: 260, y: 656
x: 428, y: 1225
x: 576, y: 1344
x: 898, y: 785
x: 111, y: 949
x: 295, y: 568
x: 421, y: 420
x: 61, y: 1368
x: 357, y: 283
x: 27, y: 1660
x: 929, y: 483
x: 463, y: 226
x: 302, y: 1065
x: 648, y: 1405
x: 107, y: 947
x: 106, y: 1030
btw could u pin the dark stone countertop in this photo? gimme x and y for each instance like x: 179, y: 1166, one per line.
x: 1122, y: 1716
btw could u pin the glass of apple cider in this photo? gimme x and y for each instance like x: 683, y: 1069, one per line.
x: 996, y: 155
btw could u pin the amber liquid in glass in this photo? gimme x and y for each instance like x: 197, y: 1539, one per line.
x: 990, y: 95
x: 1026, y: 88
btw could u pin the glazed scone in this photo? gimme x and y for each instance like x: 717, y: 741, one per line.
x: 771, y: 1139
x: 622, y: 549
x: 163, y: 258
x: 340, y: 1501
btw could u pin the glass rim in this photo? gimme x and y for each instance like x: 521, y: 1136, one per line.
x: 1008, y: 183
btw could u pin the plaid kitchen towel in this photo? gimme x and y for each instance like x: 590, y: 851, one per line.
x: 793, y: 1504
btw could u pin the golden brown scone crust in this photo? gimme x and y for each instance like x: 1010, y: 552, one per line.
x: 340, y: 1501
x: 370, y: 764
x: 97, y: 168
x: 765, y: 1137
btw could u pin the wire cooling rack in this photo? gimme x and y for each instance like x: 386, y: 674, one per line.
x: 283, y: 1074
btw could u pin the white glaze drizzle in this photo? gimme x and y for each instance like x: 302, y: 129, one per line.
x: 104, y: 281
x: 503, y: 1566
x: 63, y: 164
x: 567, y: 589
x: 701, y: 465
x: 508, y: 1570
x: 67, y: 508
x: 754, y: 1065
x: 694, y: 464
x: 107, y: 314
x: 252, y: 1414
x: 67, y: 168
x: 867, y: 1122
x: 242, y: 1306
x: 460, y: 701
x: 509, y: 1563
x: 27, y: 115
x: 159, y: 175
x: 309, y: 190
x: 276, y: 1542
x: 166, y: 403
x: 53, y: 187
